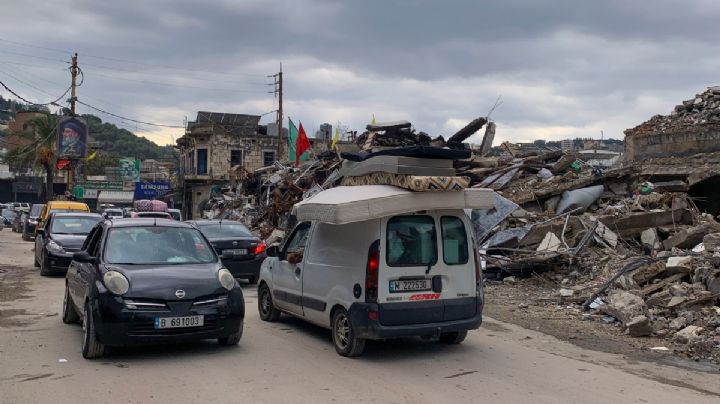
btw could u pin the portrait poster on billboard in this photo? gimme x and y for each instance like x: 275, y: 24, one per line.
x: 72, y: 134
x: 129, y: 169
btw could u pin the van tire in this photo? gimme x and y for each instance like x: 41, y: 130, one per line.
x: 453, y: 338
x: 343, y: 335
x: 266, y: 306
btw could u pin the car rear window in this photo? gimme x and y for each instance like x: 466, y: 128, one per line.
x: 455, y: 242
x: 411, y: 241
x: 225, y: 230
x: 73, y: 225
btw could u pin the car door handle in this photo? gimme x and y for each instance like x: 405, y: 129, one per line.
x: 297, y: 271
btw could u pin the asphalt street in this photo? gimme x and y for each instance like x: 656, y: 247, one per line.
x: 294, y: 362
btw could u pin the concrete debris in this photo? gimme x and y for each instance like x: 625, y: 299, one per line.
x: 688, y: 334
x: 550, y: 243
x: 566, y: 292
x: 639, y: 326
x: 679, y: 264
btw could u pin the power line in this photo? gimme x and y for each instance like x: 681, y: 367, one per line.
x: 35, y: 103
x: 159, y: 83
x: 33, y: 56
x: 26, y: 82
x: 129, y: 119
x: 34, y: 46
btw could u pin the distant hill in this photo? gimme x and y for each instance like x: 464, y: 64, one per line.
x: 120, y: 142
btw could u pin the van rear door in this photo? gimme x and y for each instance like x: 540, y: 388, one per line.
x: 427, y: 273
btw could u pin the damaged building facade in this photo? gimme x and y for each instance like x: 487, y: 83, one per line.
x: 216, y: 148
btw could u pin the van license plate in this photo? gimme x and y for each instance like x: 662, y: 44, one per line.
x: 412, y: 285
x: 179, y: 322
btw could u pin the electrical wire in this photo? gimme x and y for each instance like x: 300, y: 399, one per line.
x: 128, y: 119
x: 26, y: 82
x: 159, y: 83
x: 33, y: 56
x: 34, y: 46
x: 54, y: 102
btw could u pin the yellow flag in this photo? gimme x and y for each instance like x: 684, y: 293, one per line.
x: 335, y: 138
x: 92, y: 155
x: 373, y: 121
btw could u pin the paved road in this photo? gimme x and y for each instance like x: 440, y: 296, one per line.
x: 290, y: 361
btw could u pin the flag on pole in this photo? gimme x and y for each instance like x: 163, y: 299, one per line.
x: 292, y: 138
x: 301, y: 146
x: 335, y: 138
x: 91, y: 156
x: 373, y: 120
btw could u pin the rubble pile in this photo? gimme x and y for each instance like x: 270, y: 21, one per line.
x: 703, y: 109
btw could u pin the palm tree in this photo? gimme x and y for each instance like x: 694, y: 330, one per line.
x: 40, y: 152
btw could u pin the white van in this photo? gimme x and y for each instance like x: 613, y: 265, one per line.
x: 378, y: 262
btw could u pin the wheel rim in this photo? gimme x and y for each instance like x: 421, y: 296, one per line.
x: 342, y: 331
x: 86, y: 319
x: 265, y: 301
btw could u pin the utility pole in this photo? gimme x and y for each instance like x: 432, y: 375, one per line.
x: 73, y: 98
x: 278, y: 91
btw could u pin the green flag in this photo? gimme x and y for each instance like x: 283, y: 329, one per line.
x: 292, y: 140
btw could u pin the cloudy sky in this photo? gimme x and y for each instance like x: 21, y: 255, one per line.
x: 563, y: 68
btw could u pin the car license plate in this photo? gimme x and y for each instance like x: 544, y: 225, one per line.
x: 237, y: 251
x: 179, y: 322
x: 411, y: 285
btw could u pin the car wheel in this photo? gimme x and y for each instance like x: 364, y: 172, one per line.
x: 344, y: 338
x: 453, y: 338
x: 91, y: 347
x: 233, y: 339
x: 44, y: 266
x: 35, y: 261
x: 25, y: 237
x: 69, y: 315
x: 252, y: 280
x: 266, y: 307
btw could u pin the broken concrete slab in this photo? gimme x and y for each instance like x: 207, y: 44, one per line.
x: 639, y: 326
x: 688, y: 334
x: 610, y: 237
x: 624, y: 306
x: 550, y: 243
x: 712, y: 242
x: 650, y: 239
x: 633, y: 225
x: 676, y: 301
x: 689, y: 238
x: 566, y: 292
x: 679, y: 264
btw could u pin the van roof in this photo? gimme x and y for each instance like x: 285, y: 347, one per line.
x: 66, y: 205
x: 347, y: 204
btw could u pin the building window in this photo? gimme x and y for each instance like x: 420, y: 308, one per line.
x: 236, y: 158
x: 268, y: 158
x: 201, y: 161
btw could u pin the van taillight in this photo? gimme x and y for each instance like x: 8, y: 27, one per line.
x: 260, y: 248
x: 371, y: 274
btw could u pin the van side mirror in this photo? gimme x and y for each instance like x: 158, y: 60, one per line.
x: 83, y: 256
x: 273, y: 251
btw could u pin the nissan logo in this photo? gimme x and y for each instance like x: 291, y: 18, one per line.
x: 235, y: 243
x: 180, y: 293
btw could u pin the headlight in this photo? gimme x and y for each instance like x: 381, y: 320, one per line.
x: 116, y: 282
x: 32, y: 221
x: 54, y: 247
x: 226, y: 279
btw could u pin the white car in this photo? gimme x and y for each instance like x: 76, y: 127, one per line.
x: 368, y: 277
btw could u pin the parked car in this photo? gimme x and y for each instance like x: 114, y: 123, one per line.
x: 63, y: 235
x: 176, y: 214
x: 371, y: 273
x: 28, y: 233
x: 113, y: 213
x: 139, y: 281
x: 241, y: 252
x: 59, y: 206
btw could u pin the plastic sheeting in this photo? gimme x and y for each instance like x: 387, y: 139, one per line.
x: 579, y: 198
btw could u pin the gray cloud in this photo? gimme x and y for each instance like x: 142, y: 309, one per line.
x: 563, y: 68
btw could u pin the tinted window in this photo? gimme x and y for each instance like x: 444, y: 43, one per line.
x: 156, y: 245
x: 411, y: 241
x: 225, y: 230
x: 73, y: 225
x: 454, y: 239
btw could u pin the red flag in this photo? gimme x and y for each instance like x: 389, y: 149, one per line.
x: 302, y: 144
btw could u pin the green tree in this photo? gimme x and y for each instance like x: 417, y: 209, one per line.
x: 40, y: 152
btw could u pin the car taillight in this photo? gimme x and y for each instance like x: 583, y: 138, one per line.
x: 260, y: 248
x: 371, y: 274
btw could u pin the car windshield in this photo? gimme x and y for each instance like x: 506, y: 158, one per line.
x: 10, y: 214
x: 73, y: 225
x: 157, y: 245
x: 225, y: 230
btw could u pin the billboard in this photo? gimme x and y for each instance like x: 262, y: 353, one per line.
x: 151, y: 190
x: 72, y: 134
x: 129, y: 170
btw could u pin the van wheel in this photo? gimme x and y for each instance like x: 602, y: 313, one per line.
x: 344, y: 338
x: 266, y: 307
x: 91, y: 347
x: 69, y: 315
x: 453, y: 338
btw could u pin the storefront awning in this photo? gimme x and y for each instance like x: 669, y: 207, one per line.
x: 116, y: 196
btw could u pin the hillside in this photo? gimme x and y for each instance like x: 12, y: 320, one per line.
x: 120, y: 142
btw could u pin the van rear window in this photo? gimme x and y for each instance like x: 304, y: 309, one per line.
x: 411, y: 241
x: 455, y: 242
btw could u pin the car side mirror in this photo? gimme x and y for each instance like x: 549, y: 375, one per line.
x: 83, y: 256
x: 273, y: 251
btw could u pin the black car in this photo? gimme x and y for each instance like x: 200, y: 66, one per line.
x: 28, y: 233
x: 62, y: 236
x: 144, y: 281
x: 241, y: 252
x: 8, y: 217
